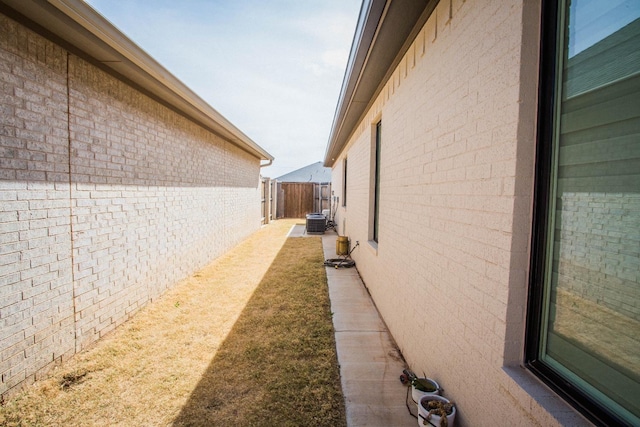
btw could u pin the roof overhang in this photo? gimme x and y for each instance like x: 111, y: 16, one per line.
x: 385, y: 30
x: 80, y: 29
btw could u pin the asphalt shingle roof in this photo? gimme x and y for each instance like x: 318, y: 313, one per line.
x: 312, y: 173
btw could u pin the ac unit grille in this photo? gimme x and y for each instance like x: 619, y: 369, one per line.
x: 316, y: 223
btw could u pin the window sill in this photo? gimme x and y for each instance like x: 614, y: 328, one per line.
x: 373, y: 246
x: 530, y: 392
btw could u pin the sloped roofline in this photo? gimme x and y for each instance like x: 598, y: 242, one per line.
x: 385, y: 30
x: 84, y: 32
x: 307, y: 172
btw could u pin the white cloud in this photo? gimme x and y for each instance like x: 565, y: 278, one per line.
x: 336, y: 58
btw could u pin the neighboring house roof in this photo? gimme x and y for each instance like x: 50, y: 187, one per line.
x: 84, y: 32
x: 383, y: 34
x: 312, y: 173
x: 610, y: 59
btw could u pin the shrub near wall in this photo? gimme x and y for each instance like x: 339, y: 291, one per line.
x: 108, y: 198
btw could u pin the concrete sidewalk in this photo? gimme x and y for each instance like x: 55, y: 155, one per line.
x: 370, y: 363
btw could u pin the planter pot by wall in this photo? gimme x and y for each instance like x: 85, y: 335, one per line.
x: 436, y: 420
x: 416, y: 393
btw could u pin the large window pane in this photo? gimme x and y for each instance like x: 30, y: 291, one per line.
x: 591, y: 319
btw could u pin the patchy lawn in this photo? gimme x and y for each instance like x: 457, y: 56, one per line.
x: 246, y: 341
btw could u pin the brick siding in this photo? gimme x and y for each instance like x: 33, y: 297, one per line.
x: 448, y: 273
x: 107, y: 199
x: 599, y: 229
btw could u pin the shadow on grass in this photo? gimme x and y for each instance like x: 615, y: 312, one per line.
x: 278, y: 365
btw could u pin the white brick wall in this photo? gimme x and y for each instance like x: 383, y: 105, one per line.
x: 101, y: 209
x: 36, y: 296
x: 449, y: 272
x: 601, y: 229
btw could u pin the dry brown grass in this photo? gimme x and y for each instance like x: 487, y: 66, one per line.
x: 611, y: 336
x: 176, y: 362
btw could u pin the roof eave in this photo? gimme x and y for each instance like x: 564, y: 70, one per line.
x: 84, y: 31
x: 385, y: 30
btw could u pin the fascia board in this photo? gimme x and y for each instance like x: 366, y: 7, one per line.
x: 85, y: 30
x: 395, y: 29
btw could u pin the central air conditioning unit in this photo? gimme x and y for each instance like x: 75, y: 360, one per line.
x: 316, y: 223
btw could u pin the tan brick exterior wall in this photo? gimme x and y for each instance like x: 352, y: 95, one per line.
x: 107, y: 199
x: 449, y: 273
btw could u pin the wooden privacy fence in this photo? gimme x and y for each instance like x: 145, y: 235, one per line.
x: 296, y: 200
x: 269, y: 199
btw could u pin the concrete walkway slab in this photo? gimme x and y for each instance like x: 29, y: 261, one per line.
x: 370, y: 363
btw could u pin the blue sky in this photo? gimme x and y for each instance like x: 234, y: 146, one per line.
x: 591, y: 21
x: 273, y: 67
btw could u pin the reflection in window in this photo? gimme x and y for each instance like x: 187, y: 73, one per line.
x: 591, y: 297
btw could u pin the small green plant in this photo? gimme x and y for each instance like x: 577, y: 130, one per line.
x: 424, y: 384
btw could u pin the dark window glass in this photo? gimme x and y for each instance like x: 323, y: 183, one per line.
x: 344, y: 184
x: 584, y: 314
x: 376, y: 200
